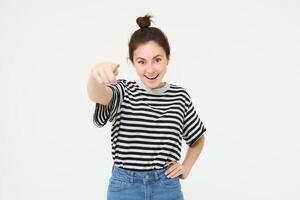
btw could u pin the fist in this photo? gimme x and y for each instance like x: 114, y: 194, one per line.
x: 105, y: 73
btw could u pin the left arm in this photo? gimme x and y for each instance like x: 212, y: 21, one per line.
x: 191, y: 156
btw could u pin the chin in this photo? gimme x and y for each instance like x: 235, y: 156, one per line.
x: 153, y: 85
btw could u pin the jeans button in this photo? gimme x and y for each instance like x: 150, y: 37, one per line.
x: 147, y: 176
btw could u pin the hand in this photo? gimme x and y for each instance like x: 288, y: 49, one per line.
x: 105, y: 73
x: 177, y: 169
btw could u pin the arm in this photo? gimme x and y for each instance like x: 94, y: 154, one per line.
x: 101, y: 74
x: 192, y: 155
x: 98, y: 92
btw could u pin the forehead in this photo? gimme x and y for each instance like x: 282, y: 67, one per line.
x: 148, y: 50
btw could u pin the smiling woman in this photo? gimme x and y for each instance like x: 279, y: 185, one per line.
x: 152, y: 68
x: 150, y: 118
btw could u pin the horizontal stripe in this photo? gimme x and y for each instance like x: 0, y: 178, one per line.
x: 148, y: 128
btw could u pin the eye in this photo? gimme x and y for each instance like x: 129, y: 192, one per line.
x: 157, y: 60
x: 141, y: 62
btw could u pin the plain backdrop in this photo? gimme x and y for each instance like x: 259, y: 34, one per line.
x: 239, y: 60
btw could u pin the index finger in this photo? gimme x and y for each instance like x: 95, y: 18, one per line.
x: 110, y: 74
x: 171, y: 167
x: 115, y: 67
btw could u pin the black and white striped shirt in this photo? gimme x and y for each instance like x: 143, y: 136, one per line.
x: 148, y: 125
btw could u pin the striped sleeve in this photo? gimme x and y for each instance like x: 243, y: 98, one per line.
x: 193, y: 127
x: 104, y: 113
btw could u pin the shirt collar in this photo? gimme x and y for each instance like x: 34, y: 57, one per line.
x: 156, y: 90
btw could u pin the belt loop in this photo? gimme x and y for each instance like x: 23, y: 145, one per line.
x: 131, y: 177
x: 156, y: 176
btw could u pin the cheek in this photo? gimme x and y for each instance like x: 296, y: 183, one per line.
x: 140, y: 71
x: 163, y: 68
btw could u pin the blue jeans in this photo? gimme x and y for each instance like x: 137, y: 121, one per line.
x: 143, y: 185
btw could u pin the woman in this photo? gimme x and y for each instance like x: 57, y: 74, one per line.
x: 150, y: 118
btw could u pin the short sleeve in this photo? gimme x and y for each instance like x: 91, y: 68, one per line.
x: 193, y: 127
x: 104, y: 113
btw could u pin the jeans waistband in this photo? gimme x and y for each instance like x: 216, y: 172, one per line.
x: 138, y: 176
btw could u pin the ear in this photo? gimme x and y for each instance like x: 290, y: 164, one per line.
x: 168, y: 59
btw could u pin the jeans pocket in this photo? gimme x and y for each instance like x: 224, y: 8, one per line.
x: 116, y: 184
x: 171, y: 182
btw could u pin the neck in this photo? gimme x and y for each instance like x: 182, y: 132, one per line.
x: 163, y: 86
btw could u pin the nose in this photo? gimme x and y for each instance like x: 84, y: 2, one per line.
x: 150, y: 69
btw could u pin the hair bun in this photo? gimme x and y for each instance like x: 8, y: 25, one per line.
x: 144, y: 22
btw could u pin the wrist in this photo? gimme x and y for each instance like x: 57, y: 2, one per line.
x: 187, y: 167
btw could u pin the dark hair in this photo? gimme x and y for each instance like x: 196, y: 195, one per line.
x: 146, y: 34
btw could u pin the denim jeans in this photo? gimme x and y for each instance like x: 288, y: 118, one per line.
x: 143, y: 185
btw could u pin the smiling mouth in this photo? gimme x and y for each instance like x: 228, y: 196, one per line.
x: 153, y: 77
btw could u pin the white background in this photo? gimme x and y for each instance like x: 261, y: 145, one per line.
x: 239, y: 60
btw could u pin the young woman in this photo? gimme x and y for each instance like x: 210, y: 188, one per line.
x: 150, y: 117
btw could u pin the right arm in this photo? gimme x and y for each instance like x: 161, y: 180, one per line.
x: 102, y: 74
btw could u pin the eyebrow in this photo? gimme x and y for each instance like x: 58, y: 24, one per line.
x: 145, y: 59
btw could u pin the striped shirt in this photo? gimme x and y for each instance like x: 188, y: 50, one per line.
x: 148, y: 125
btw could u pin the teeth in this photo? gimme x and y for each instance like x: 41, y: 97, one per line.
x: 152, y: 77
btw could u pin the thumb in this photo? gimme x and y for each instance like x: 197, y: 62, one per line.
x: 115, y: 66
x: 115, y: 69
x: 173, y: 161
